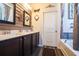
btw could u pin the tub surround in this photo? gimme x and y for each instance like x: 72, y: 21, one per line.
x: 67, y: 49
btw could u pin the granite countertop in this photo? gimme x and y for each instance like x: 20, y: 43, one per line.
x: 9, y: 36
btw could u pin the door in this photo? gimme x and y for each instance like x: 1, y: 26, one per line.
x: 49, y: 29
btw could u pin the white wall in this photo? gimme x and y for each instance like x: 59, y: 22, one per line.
x: 38, y: 25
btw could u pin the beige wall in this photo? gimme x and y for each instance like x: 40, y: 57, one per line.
x: 38, y: 25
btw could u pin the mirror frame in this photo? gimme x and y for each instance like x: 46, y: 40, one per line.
x: 14, y: 14
x: 24, y: 19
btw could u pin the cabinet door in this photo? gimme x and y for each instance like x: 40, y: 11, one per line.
x: 21, y: 46
x: 35, y: 41
x: 10, y: 47
x: 27, y: 45
x: 2, y: 50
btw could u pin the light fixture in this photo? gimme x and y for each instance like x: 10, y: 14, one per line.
x: 50, y: 5
x: 36, y: 17
x: 37, y: 10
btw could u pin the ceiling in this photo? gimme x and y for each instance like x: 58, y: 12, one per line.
x: 41, y: 5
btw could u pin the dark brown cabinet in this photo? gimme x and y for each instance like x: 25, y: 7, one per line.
x: 20, y: 46
x: 35, y: 41
x: 27, y: 45
x: 9, y: 47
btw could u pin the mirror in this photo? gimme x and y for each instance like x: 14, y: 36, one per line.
x: 7, y: 13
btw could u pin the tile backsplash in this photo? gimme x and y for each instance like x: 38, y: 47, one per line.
x: 5, y: 32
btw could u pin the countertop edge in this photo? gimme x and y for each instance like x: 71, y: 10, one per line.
x: 11, y: 36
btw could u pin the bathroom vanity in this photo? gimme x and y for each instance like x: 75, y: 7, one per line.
x: 23, y: 44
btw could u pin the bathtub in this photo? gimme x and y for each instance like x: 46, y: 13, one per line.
x: 66, y: 47
x: 68, y: 42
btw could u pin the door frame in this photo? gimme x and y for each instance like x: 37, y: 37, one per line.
x: 47, y: 10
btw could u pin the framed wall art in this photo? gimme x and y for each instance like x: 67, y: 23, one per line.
x: 26, y: 19
x: 7, y: 13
